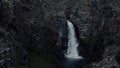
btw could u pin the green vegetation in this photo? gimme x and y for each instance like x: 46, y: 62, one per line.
x: 38, y: 61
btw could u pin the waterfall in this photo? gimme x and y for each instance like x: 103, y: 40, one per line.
x: 72, y: 52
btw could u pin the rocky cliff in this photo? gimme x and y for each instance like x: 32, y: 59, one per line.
x: 40, y: 25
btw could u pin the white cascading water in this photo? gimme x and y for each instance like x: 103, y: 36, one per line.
x: 72, y: 52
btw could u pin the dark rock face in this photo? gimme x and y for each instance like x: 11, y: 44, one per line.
x: 41, y: 25
x: 98, y: 25
x: 12, y: 54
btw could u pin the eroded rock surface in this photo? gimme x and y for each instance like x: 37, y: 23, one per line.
x: 12, y: 54
x: 41, y: 25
